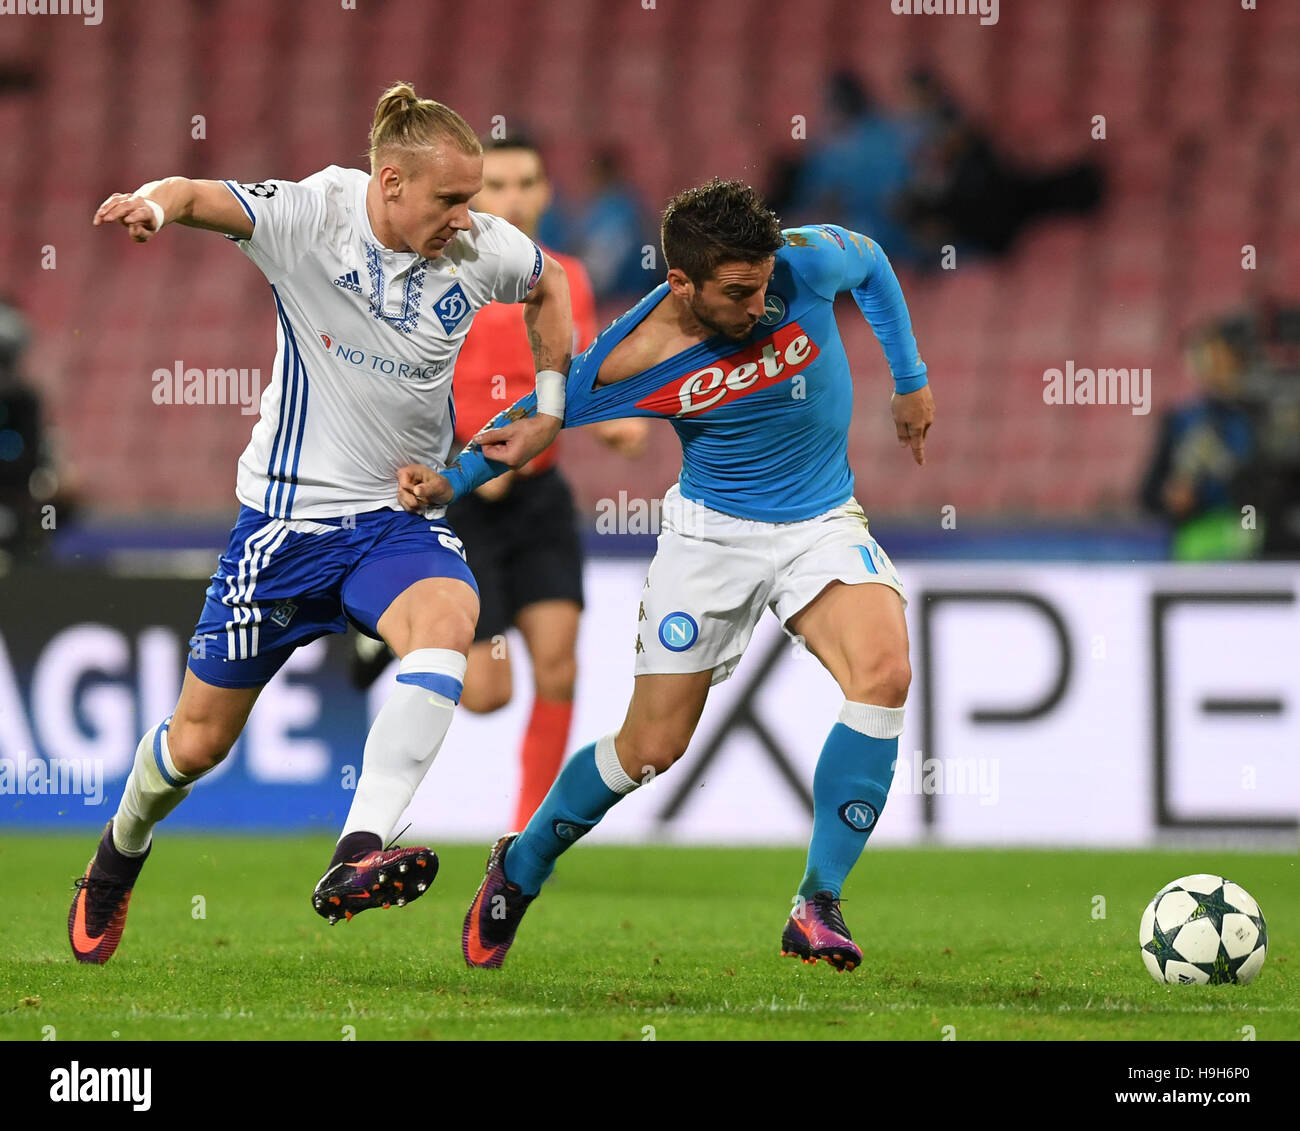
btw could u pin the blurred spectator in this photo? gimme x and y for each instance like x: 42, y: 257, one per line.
x: 610, y: 229
x: 966, y: 193
x: 26, y: 480
x: 1205, y: 457
x: 927, y: 111
x: 1272, y: 386
x: 554, y: 225
x: 921, y: 177
x: 857, y: 175
x: 17, y: 77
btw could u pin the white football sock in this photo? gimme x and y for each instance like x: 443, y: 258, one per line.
x: 154, y: 788
x: 404, y: 739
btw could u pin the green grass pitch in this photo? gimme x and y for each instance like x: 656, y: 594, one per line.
x: 633, y: 944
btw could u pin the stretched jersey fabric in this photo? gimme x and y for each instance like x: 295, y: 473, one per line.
x: 495, y: 367
x: 763, y: 422
x: 365, y: 343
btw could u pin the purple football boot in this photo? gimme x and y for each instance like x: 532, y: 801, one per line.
x: 389, y: 878
x: 493, y: 917
x: 816, y: 930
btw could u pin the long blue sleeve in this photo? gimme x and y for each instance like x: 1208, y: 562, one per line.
x: 471, y: 469
x: 833, y: 259
x: 880, y: 299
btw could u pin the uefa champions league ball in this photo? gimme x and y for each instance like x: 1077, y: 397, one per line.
x: 1203, y: 930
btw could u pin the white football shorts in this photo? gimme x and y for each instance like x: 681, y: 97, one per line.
x: 713, y: 574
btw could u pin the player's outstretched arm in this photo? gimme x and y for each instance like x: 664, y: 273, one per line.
x: 868, y: 274
x: 176, y: 200
x: 419, y: 486
x: 548, y: 318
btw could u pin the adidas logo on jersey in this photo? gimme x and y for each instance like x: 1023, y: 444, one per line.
x: 349, y: 282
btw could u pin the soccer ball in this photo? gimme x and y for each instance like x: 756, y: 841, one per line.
x: 1203, y: 930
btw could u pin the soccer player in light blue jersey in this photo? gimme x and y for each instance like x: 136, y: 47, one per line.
x: 739, y: 349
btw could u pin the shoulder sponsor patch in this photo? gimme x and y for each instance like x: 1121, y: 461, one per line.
x: 832, y: 233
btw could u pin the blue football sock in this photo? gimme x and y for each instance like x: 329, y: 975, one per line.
x: 850, y: 786
x: 588, y: 786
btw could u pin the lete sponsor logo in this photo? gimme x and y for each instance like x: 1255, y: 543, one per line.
x: 777, y: 357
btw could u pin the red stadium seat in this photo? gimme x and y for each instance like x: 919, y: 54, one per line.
x: 678, y: 86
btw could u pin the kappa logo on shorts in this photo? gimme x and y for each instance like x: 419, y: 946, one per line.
x: 283, y: 613
x: 678, y: 631
x: 858, y: 815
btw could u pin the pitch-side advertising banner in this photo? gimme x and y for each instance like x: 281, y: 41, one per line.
x: 1050, y: 704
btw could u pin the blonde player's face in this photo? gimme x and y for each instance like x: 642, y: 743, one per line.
x: 432, y: 204
x: 514, y: 187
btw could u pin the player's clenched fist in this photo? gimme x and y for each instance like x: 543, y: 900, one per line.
x: 139, y: 215
x: 420, y: 487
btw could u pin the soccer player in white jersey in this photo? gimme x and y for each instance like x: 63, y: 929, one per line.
x: 375, y: 279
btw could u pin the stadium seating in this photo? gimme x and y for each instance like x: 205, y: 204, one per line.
x: 690, y: 91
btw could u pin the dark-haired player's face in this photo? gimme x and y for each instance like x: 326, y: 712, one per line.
x: 730, y: 302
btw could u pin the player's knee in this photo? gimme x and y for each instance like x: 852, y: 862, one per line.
x: 647, y: 755
x: 486, y: 691
x: 196, y: 746
x: 884, y: 683
x: 440, y: 625
x: 555, y: 677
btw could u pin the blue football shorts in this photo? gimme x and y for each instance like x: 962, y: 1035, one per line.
x: 284, y: 582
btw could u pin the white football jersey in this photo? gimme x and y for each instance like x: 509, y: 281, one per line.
x: 366, y: 341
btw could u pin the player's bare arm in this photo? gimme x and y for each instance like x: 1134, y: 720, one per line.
x: 913, y: 414
x: 548, y: 319
x: 176, y: 200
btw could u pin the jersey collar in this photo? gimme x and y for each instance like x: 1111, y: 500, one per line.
x: 398, y: 261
